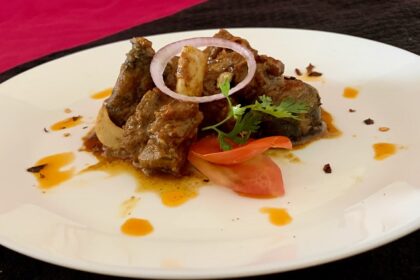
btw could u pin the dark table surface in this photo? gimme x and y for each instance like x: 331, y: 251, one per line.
x: 396, y: 23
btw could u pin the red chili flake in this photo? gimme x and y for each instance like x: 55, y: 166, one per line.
x: 327, y: 168
x: 369, y: 121
x: 298, y: 72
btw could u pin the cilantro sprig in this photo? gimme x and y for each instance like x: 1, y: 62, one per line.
x: 248, y: 118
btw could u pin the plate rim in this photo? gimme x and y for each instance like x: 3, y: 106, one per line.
x: 230, y: 272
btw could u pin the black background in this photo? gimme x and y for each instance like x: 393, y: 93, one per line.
x: 392, y: 22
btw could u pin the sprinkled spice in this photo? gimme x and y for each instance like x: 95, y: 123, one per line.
x: 310, y: 68
x: 327, y: 168
x: 67, y: 123
x: 352, y: 110
x: 46, y: 130
x: 310, y: 71
x: 369, y: 121
x: 67, y: 110
x: 36, y: 168
x: 66, y: 134
x: 298, y: 72
x: 315, y: 74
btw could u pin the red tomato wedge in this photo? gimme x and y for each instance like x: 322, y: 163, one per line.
x: 259, y: 176
x: 208, y: 149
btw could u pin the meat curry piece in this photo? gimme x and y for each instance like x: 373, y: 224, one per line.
x: 159, y: 133
x: 133, y: 81
x: 308, y: 124
x: 169, y: 75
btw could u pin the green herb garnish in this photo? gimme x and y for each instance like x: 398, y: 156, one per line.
x: 248, y: 118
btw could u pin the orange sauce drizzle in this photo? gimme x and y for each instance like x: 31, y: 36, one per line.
x: 350, y: 92
x: 173, y: 191
x: 173, y: 198
x: 384, y: 150
x: 277, y: 216
x: 102, y: 94
x: 306, y: 78
x: 292, y: 157
x: 256, y: 196
x: 52, y: 175
x: 332, y: 130
x: 67, y: 123
x: 136, y: 227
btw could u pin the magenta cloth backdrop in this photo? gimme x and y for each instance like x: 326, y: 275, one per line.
x: 30, y: 29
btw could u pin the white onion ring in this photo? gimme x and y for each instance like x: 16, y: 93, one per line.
x: 165, y: 54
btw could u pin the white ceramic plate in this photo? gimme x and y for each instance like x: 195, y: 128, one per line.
x: 364, y: 203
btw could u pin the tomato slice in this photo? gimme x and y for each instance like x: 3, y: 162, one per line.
x: 259, y: 176
x: 208, y: 149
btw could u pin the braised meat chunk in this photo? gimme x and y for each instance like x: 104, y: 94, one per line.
x: 135, y: 131
x: 308, y: 124
x: 133, y: 81
x: 169, y: 75
x: 160, y: 132
x: 268, y: 79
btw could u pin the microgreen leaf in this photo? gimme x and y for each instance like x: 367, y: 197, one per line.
x: 248, y: 118
x: 238, y: 111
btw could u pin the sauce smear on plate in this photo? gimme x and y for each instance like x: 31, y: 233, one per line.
x: 51, y: 174
x: 136, y: 227
x: 173, y: 191
x: 384, y: 150
x: 350, y: 92
x: 277, y: 216
x: 102, y: 94
x: 332, y: 130
x: 67, y: 123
